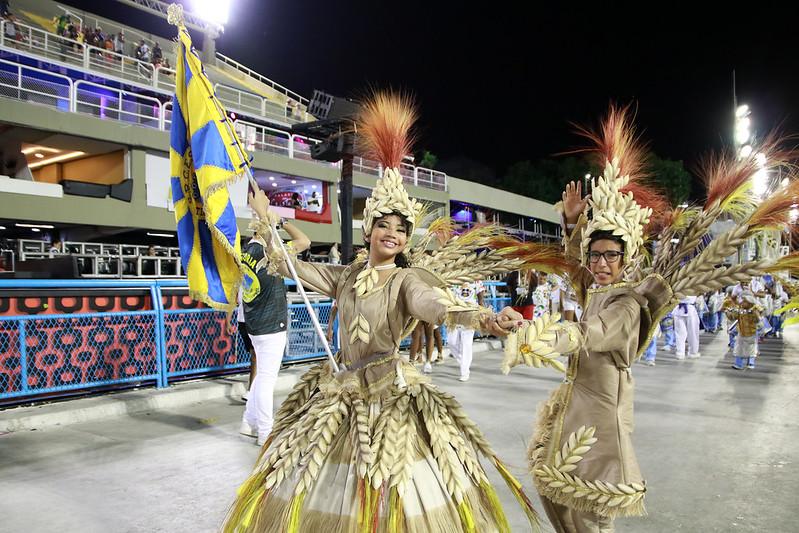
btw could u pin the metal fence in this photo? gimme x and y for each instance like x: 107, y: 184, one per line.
x: 46, y: 355
x: 35, y: 85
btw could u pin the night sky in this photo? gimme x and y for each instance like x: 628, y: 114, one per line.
x: 499, y: 84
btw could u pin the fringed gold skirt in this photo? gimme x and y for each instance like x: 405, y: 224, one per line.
x: 341, y: 460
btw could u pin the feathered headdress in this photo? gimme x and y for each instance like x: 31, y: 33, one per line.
x: 384, y: 126
x: 616, y: 195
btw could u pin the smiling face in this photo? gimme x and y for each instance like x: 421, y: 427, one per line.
x: 387, y: 240
x: 605, y: 272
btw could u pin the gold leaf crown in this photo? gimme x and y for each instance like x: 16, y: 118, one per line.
x: 389, y: 196
x: 615, y: 211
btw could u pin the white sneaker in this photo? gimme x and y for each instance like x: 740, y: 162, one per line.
x: 649, y: 362
x: 427, y: 368
x: 679, y: 357
x: 696, y: 355
x: 464, y: 378
x: 247, y: 429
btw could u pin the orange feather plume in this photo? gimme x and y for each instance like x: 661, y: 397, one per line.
x: 384, y: 126
x: 617, y: 139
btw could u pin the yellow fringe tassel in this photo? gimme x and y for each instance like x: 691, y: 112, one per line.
x: 516, y: 488
x: 293, y: 522
x: 251, y: 507
x: 496, y: 507
x: 396, y: 518
x: 467, y: 518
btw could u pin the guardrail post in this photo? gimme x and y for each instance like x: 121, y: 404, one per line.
x: 86, y: 57
x: 73, y: 97
x: 160, y: 337
x: 416, y: 176
x: 291, y: 146
x: 23, y: 356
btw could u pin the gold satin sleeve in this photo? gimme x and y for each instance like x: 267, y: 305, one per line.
x: 436, y: 306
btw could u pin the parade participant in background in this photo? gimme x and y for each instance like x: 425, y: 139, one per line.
x: 581, y: 454
x: 376, y: 445
x: 461, y: 338
x: 748, y: 315
x: 265, y: 315
x: 667, y: 328
x: 729, y: 308
x: 652, y: 350
x: 520, y: 289
x: 779, y: 298
x: 541, y: 295
x: 686, y: 328
x: 715, y: 302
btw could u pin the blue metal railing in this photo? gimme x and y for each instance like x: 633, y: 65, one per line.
x: 49, y: 354
x: 52, y: 354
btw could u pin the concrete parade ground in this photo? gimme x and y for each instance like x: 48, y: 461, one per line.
x: 719, y: 448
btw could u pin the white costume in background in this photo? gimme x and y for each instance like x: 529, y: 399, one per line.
x: 460, y: 339
x: 686, y: 328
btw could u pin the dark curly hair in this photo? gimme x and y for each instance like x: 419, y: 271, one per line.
x: 401, y: 260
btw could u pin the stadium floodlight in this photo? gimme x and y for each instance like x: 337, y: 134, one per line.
x: 742, y: 111
x: 213, y: 11
x: 169, y: 235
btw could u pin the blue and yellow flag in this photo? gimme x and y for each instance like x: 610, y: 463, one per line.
x: 205, y: 154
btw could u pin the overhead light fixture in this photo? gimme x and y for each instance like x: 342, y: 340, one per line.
x: 37, y: 155
x: 35, y: 230
x: 31, y: 149
x: 2, y: 227
x: 40, y: 226
x: 274, y: 184
x: 168, y: 235
x: 313, y: 186
x: 293, y: 182
x: 214, y: 11
x: 271, y: 178
x: 742, y: 111
x: 55, y: 159
x: 305, y: 191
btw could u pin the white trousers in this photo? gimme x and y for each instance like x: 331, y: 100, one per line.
x: 259, y: 412
x: 460, y: 344
x: 687, y: 328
